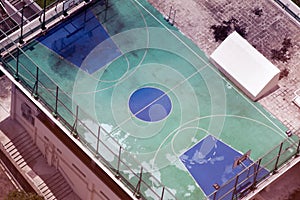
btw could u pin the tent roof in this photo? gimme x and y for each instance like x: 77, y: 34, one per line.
x: 244, y: 63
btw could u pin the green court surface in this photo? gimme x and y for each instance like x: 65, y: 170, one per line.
x: 153, y: 55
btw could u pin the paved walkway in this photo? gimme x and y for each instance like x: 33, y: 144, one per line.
x: 266, y: 32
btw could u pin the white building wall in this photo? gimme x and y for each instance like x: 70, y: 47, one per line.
x: 80, y: 178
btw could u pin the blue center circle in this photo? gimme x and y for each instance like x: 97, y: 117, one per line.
x: 150, y: 104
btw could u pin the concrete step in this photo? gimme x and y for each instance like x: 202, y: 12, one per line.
x: 15, y: 141
x: 55, y: 187
x: 52, y: 179
x: 33, y: 155
x: 21, y: 149
x: 64, y: 192
x: 23, y: 134
x: 60, y: 193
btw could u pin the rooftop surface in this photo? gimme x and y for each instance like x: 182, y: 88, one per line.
x: 146, y: 56
x: 265, y: 32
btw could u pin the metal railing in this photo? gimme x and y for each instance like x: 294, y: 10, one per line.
x: 106, y: 149
x: 248, y: 179
x: 290, y: 11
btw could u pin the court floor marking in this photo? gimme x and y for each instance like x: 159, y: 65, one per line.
x: 119, y: 81
x: 227, y: 146
x: 122, y: 53
x: 205, y: 117
x: 170, y: 90
x: 208, y: 65
x: 211, y: 116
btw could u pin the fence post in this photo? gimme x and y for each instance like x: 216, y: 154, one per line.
x: 106, y: 8
x: 64, y: 10
x: 56, y: 102
x: 298, y: 149
x: 235, y: 184
x: 138, y: 186
x: 119, y: 160
x: 21, y: 41
x: 36, y: 85
x: 43, y: 27
x: 277, y: 160
x: 16, y: 75
x: 74, y: 127
x: 256, y: 170
x: 215, y: 195
x: 106, y: 4
x: 162, y: 193
x: 98, y: 139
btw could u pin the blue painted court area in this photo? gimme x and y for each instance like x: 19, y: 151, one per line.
x: 150, y: 104
x: 211, y: 162
x: 75, y: 39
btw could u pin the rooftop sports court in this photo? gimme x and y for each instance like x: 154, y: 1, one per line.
x: 148, y: 103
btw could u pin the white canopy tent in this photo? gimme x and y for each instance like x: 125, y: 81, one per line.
x: 248, y: 69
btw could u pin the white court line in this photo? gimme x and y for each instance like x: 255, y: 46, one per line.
x: 210, y: 66
x: 158, y: 98
x: 205, y: 117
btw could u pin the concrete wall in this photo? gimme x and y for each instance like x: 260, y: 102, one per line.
x: 82, y: 180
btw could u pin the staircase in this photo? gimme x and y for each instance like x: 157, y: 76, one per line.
x: 55, y: 187
x: 25, y: 155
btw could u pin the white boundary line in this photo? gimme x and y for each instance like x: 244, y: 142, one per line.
x: 186, y: 45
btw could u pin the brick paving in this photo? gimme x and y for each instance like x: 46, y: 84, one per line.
x: 266, y: 32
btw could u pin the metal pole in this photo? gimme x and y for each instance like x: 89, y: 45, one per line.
x: 256, y: 170
x: 173, y: 18
x: 17, y: 65
x: 106, y: 8
x: 56, y: 102
x: 162, y: 193
x: 277, y: 160
x: 298, y: 149
x: 119, y: 160
x: 64, y: 11
x: 44, y: 16
x: 21, y: 41
x: 74, y: 127
x: 168, y: 17
x: 35, y: 88
x: 98, y: 139
x: 138, y: 187
x: 215, y: 195
x: 106, y: 4
x: 235, y: 184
